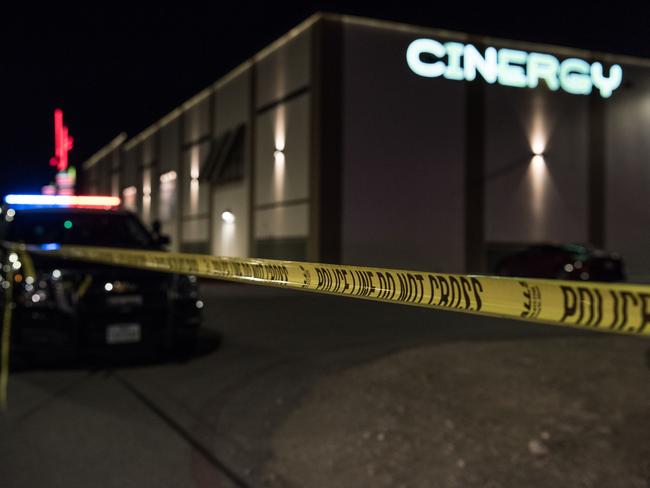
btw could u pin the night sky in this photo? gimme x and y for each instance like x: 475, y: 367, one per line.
x: 121, y: 67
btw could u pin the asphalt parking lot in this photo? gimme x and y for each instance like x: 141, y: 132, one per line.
x: 295, y: 389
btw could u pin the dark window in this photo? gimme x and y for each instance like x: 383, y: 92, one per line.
x: 225, y: 162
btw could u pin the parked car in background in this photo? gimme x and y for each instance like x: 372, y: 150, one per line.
x: 563, y: 261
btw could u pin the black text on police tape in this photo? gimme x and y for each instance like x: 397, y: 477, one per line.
x: 430, y: 289
x: 586, y: 306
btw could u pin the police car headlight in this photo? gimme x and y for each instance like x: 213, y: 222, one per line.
x: 187, y: 286
x: 32, y: 296
x: 33, y: 291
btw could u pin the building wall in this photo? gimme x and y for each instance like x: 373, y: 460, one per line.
x: 281, y: 195
x: 403, y: 159
x: 196, y: 118
x: 233, y: 109
x: 403, y: 151
x: 105, y: 173
x: 627, y: 224
x: 102, y: 176
x: 159, y: 175
x: 130, y: 188
x: 284, y: 70
x: 149, y: 179
x: 167, y: 179
x: 91, y: 179
x: 531, y: 200
x: 115, y: 170
x: 194, y: 194
x: 406, y: 138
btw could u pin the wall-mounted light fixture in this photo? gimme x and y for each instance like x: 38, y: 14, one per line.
x: 228, y: 217
x: 129, y: 191
x: 538, y: 160
x: 278, y: 156
x: 538, y: 141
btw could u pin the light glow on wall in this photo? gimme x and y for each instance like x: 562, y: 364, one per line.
x: 280, y: 128
x: 279, y: 158
x: 194, y: 179
x: 167, y: 196
x: 538, y: 176
x: 227, y: 234
x: 115, y: 184
x: 279, y: 175
x: 129, y: 195
x: 539, y: 181
x: 146, y: 194
x: 538, y: 125
x: 511, y: 67
x: 167, y: 177
x: 227, y: 237
x: 538, y: 161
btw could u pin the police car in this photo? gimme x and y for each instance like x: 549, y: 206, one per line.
x: 72, y: 306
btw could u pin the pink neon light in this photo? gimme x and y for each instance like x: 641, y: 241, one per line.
x: 63, y: 142
x: 64, y: 200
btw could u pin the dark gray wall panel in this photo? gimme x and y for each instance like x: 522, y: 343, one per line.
x: 403, y: 150
x: 627, y: 224
x: 528, y: 202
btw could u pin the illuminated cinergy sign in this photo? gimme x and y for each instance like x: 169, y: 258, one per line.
x: 510, y: 67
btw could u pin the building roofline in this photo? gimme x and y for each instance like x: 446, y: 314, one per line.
x: 92, y: 160
x: 285, y: 38
x: 141, y: 136
x: 526, y: 45
x: 379, y: 24
x: 230, y: 75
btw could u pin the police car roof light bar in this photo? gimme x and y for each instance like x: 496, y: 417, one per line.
x: 87, y: 201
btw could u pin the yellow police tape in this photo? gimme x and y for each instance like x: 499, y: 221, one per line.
x: 21, y: 256
x: 6, y: 338
x: 604, y: 307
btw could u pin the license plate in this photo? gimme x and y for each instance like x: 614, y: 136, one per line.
x: 124, y: 300
x: 123, y: 333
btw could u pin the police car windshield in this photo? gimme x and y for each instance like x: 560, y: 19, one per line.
x: 77, y: 227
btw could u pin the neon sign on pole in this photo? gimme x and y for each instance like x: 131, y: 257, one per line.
x: 63, y: 142
x: 66, y: 175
